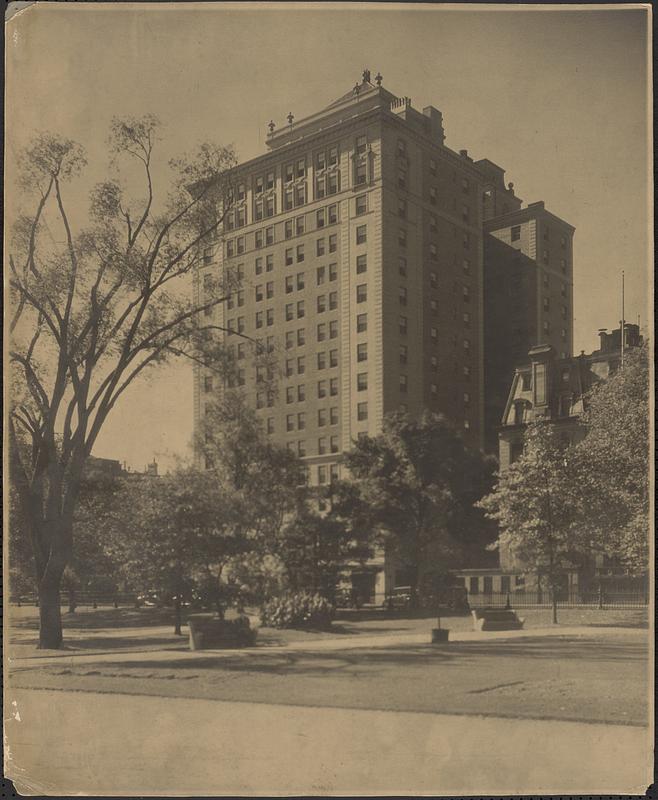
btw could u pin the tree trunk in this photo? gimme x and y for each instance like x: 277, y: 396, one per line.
x: 554, y: 604
x: 50, y: 615
x: 177, y: 617
x: 51, y: 562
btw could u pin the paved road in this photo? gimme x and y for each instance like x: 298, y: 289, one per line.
x: 66, y: 743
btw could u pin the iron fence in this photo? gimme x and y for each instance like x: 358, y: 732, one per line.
x: 83, y: 599
x: 576, y: 599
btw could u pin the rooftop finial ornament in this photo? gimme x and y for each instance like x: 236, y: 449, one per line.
x: 356, y: 89
x: 379, y: 78
x: 290, y: 118
x: 271, y: 126
x: 366, y: 76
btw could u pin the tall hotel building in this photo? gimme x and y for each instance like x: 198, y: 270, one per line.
x: 360, y: 237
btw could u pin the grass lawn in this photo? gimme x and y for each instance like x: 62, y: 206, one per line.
x: 598, y: 678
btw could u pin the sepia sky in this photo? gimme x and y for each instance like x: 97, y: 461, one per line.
x: 557, y: 96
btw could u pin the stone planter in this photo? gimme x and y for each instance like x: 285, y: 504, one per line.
x: 439, y: 635
x: 209, y: 632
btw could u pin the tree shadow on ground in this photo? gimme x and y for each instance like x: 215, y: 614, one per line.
x: 458, y: 654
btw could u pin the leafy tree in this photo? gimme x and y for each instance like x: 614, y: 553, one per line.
x: 418, y: 480
x: 613, y: 464
x: 536, y: 505
x: 318, y: 546
x: 90, y: 315
x: 179, y: 538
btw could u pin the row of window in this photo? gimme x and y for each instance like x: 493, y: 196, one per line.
x: 324, y: 446
x: 325, y: 388
x: 292, y: 227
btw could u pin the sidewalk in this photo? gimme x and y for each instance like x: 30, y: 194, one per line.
x: 175, y: 746
x: 341, y: 642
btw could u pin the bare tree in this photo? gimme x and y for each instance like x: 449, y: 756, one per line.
x: 93, y: 308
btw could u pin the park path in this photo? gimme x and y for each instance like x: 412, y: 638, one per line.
x: 67, y: 743
x: 338, y: 643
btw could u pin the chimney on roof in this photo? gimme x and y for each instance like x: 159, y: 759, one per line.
x: 436, y: 123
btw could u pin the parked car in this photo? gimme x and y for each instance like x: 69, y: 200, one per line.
x: 400, y: 597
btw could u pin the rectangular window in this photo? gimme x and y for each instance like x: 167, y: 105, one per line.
x: 322, y: 417
x: 290, y: 394
x: 300, y: 252
x: 333, y: 243
x: 515, y: 233
x: 290, y: 284
x: 301, y: 337
x: 300, y: 365
x: 402, y: 208
x: 362, y: 381
x: 403, y: 325
x: 322, y: 445
x: 290, y: 311
x: 361, y: 264
x: 362, y: 351
x: 361, y: 204
x: 319, y: 247
x: 320, y: 218
x: 403, y: 383
x: 404, y: 350
x: 269, y: 316
x: 289, y: 367
x: 259, y: 319
x: 333, y: 414
x: 333, y: 301
x: 474, y: 585
x: 300, y: 281
x: 300, y: 309
x: 361, y: 144
x: 402, y: 295
x: 434, y: 334
x: 322, y: 389
x: 434, y: 280
x: 433, y: 224
x: 269, y: 263
x: 258, y: 268
x: 269, y: 290
x: 333, y: 214
x: 290, y: 339
x: 321, y: 303
x: 269, y: 235
x: 360, y: 174
x: 362, y: 411
x: 433, y: 166
x: 333, y: 329
x: 320, y: 274
x: 362, y: 234
x: 290, y: 422
x: 402, y: 266
x: 402, y: 237
x: 289, y: 256
x: 361, y: 323
x: 434, y: 363
x: 434, y: 253
x: 322, y: 474
x: 466, y: 293
x: 361, y: 293
x: 299, y: 225
x: 289, y: 230
x: 333, y: 446
x: 333, y: 358
x: 322, y: 332
x: 322, y: 360
x: 333, y: 272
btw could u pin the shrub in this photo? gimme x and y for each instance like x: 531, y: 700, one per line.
x: 297, y: 610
